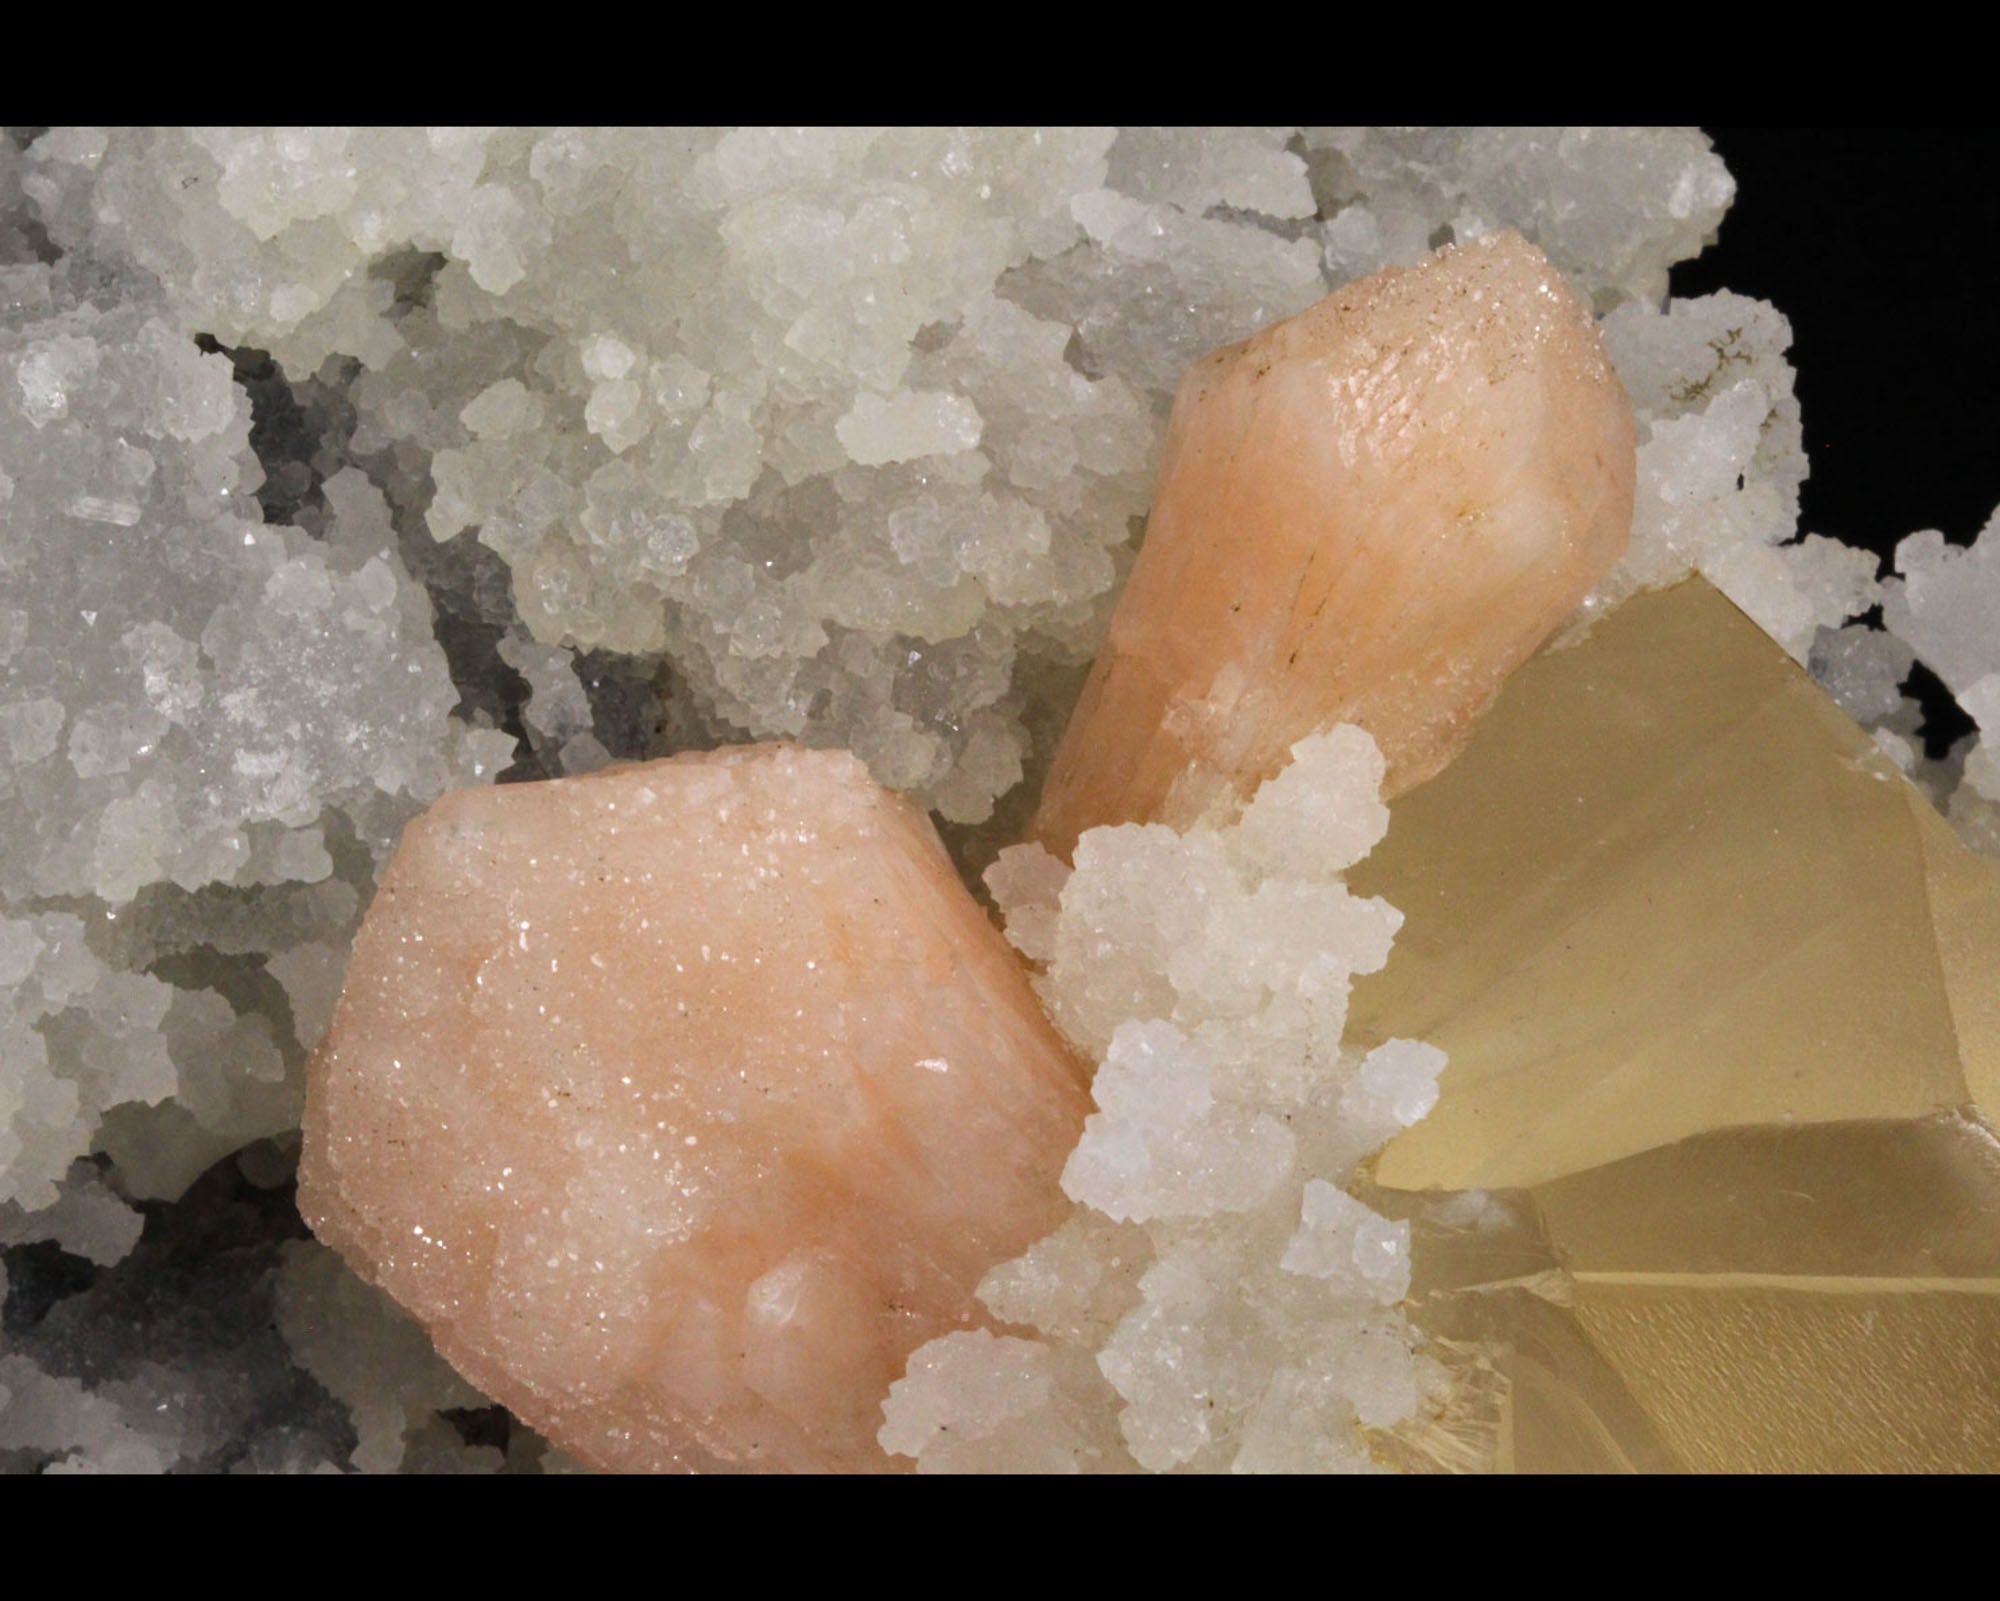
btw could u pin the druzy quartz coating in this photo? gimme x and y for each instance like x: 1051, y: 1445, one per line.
x: 682, y: 1101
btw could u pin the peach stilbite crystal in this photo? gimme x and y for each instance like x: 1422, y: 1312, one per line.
x: 683, y: 1101
x: 1369, y: 513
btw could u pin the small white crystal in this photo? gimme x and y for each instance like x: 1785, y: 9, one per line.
x: 907, y: 425
x: 969, y: 1384
x: 1160, y: 1147
x: 1340, y: 1239
x: 1395, y: 1086
x: 1862, y: 668
x: 1322, y: 813
x: 1242, y: 1307
x: 1026, y: 883
x: 1944, y: 602
x: 501, y: 410
x: 86, y: 1220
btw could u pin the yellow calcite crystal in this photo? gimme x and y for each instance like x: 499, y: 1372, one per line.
x: 1712, y: 1182
x: 680, y: 1103
x: 1370, y: 513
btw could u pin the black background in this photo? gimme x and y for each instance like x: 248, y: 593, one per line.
x: 1880, y: 246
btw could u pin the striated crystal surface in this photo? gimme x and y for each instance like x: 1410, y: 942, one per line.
x: 683, y: 1101
x: 1371, y: 512
x: 1711, y: 1182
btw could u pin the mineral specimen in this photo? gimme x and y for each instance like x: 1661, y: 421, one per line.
x: 1944, y: 607
x: 682, y: 1101
x: 189, y: 699
x: 931, y: 614
x: 1721, y: 458
x: 1715, y: 1141
x: 1613, y: 208
x: 1733, y: 868
x: 1214, y: 1291
x: 1372, y: 512
x: 845, y: 435
x: 850, y: 424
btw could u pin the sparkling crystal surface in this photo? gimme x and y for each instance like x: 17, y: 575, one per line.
x: 682, y: 1101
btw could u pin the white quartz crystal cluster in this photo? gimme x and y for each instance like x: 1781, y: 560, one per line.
x: 1216, y: 1291
x: 1613, y: 208
x: 1721, y: 458
x: 853, y: 427
x: 1941, y: 607
x: 214, y: 1348
x: 196, y: 710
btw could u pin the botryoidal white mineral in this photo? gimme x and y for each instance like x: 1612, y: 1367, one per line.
x: 850, y: 425
x: 190, y: 695
x: 1721, y: 458
x: 642, y: 438
x: 1216, y: 1291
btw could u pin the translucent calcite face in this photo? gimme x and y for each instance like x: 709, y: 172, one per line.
x: 1711, y: 1182
x: 1369, y: 513
x: 683, y: 1101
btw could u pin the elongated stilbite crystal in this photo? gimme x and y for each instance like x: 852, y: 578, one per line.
x: 682, y: 1102
x: 1370, y: 513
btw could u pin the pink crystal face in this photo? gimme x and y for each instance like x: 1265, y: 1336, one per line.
x: 1370, y: 513
x: 681, y: 1102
